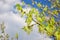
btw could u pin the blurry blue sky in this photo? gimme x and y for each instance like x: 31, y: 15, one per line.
x: 14, y: 22
x: 44, y: 2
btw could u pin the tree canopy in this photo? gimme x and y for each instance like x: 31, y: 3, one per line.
x: 46, y: 20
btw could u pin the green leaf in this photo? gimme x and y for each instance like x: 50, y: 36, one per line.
x: 1, y: 36
x: 45, y: 8
x: 18, y: 7
x: 39, y: 19
x: 52, y: 21
x: 55, y: 12
x: 16, y: 35
x: 7, y: 36
x: 57, y: 35
x: 50, y: 30
x: 28, y: 29
x: 2, y: 27
x: 41, y: 28
x: 39, y: 5
x: 29, y: 19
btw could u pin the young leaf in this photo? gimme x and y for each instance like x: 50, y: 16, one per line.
x: 57, y: 34
x: 18, y: 7
x: 52, y: 21
x: 45, y: 8
x: 41, y: 28
x: 27, y: 29
x: 50, y: 30
x: 29, y: 19
x: 39, y: 19
x: 39, y: 5
x: 55, y: 12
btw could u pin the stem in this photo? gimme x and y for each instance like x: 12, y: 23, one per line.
x: 36, y: 21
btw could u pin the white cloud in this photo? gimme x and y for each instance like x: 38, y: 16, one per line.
x: 4, y: 7
x: 10, y: 16
x: 7, y: 5
x: 13, y: 22
x: 10, y: 1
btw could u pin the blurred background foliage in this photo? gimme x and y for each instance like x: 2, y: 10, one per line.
x: 4, y: 35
